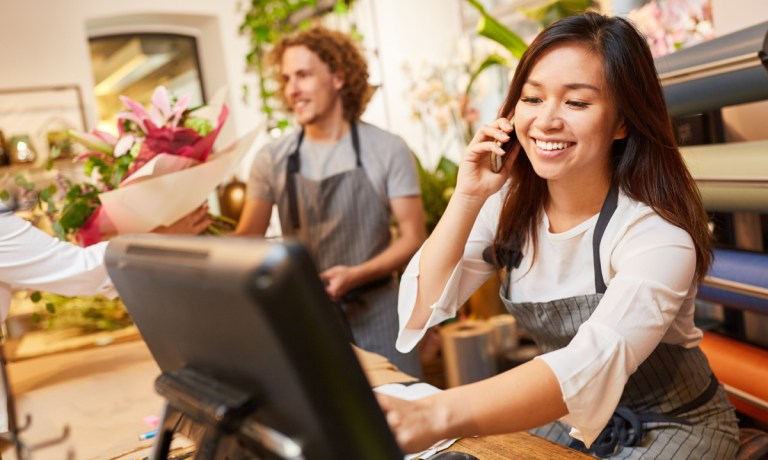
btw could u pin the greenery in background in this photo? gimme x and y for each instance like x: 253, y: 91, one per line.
x: 90, y: 314
x: 544, y: 15
x: 489, y: 27
x: 554, y: 10
x: 266, y: 22
x: 436, y: 189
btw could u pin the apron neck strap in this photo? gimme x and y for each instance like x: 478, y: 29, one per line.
x: 609, y: 206
x: 294, y: 166
x: 355, y: 143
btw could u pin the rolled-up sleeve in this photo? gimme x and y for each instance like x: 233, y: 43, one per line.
x: 653, y: 279
x: 467, y: 276
x: 32, y: 259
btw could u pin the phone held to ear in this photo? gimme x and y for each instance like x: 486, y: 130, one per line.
x: 497, y: 161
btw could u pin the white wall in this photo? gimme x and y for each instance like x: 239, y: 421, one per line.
x: 405, y: 32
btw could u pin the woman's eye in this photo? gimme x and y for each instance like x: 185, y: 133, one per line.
x: 578, y: 104
x: 530, y: 100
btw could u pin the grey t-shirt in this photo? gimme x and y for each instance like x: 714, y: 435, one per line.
x: 386, y: 159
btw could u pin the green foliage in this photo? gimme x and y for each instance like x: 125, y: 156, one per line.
x: 436, y: 190
x: 201, y: 125
x: 24, y: 183
x: 91, y: 314
x: 490, y: 28
x: 490, y: 61
x: 220, y: 225
x: 110, y: 169
x: 544, y: 15
x: 79, y: 203
x: 557, y: 9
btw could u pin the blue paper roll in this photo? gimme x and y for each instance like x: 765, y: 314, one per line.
x: 738, y: 279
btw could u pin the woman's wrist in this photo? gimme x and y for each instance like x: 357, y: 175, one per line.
x: 467, y: 201
x: 450, y: 415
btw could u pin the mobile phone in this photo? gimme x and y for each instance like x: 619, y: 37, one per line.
x: 497, y: 161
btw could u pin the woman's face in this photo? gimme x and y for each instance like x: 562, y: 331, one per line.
x: 566, y: 120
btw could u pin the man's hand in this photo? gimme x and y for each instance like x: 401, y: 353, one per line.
x: 191, y: 224
x: 339, y: 280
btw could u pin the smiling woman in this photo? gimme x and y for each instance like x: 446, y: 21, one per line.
x: 597, y: 231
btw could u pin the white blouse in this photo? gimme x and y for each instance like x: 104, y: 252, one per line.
x: 32, y: 259
x: 648, y: 265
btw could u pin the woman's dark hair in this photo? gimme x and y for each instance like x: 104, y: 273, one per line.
x: 341, y: 54
x: 646, y: 165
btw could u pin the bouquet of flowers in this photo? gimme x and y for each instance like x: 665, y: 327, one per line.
x: 152, y: 173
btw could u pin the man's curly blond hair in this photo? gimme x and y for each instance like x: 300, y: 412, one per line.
x: 340, y: 54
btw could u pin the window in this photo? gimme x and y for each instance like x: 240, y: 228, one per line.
x: 134, y: 65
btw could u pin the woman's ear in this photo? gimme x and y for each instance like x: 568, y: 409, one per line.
x: 622, y: 130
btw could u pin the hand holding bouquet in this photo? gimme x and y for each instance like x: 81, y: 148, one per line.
x: 156, y: 171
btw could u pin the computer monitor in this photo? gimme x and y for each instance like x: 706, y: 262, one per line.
x: 253, y: 314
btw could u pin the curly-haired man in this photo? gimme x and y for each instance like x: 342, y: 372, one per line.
x: 337, y: 183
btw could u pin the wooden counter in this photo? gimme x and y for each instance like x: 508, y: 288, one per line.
x: 104, y: 393
x: 518, y: 446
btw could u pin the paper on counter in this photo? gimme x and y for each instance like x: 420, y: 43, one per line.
x: 411, y: 392
x: 162, y: 197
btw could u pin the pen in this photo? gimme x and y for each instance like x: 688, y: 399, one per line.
x: 147, y: 435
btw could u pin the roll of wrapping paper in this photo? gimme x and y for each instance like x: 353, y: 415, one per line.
x: 737, y: 279
x: 468, y: 354
x: 503, y: 334
x: 726, y: 71
x: 732, y: 176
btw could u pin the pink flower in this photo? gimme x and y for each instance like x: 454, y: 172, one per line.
x: 673, y: 24
x: 161, y: 111
x: 184, y: 142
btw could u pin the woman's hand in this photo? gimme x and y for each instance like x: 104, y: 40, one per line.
x: 415, y: 424
x: 475, y: 177
x: 191, y: 224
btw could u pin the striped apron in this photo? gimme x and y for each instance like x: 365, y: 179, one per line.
x: 341, y: 220
x: 672, y: 407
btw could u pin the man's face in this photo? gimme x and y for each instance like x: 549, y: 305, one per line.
x: 311, y: 90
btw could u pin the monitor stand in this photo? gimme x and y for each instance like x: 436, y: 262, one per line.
x: 218, y: 407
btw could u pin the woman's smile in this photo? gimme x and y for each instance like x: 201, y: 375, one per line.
x: 551, y: 148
